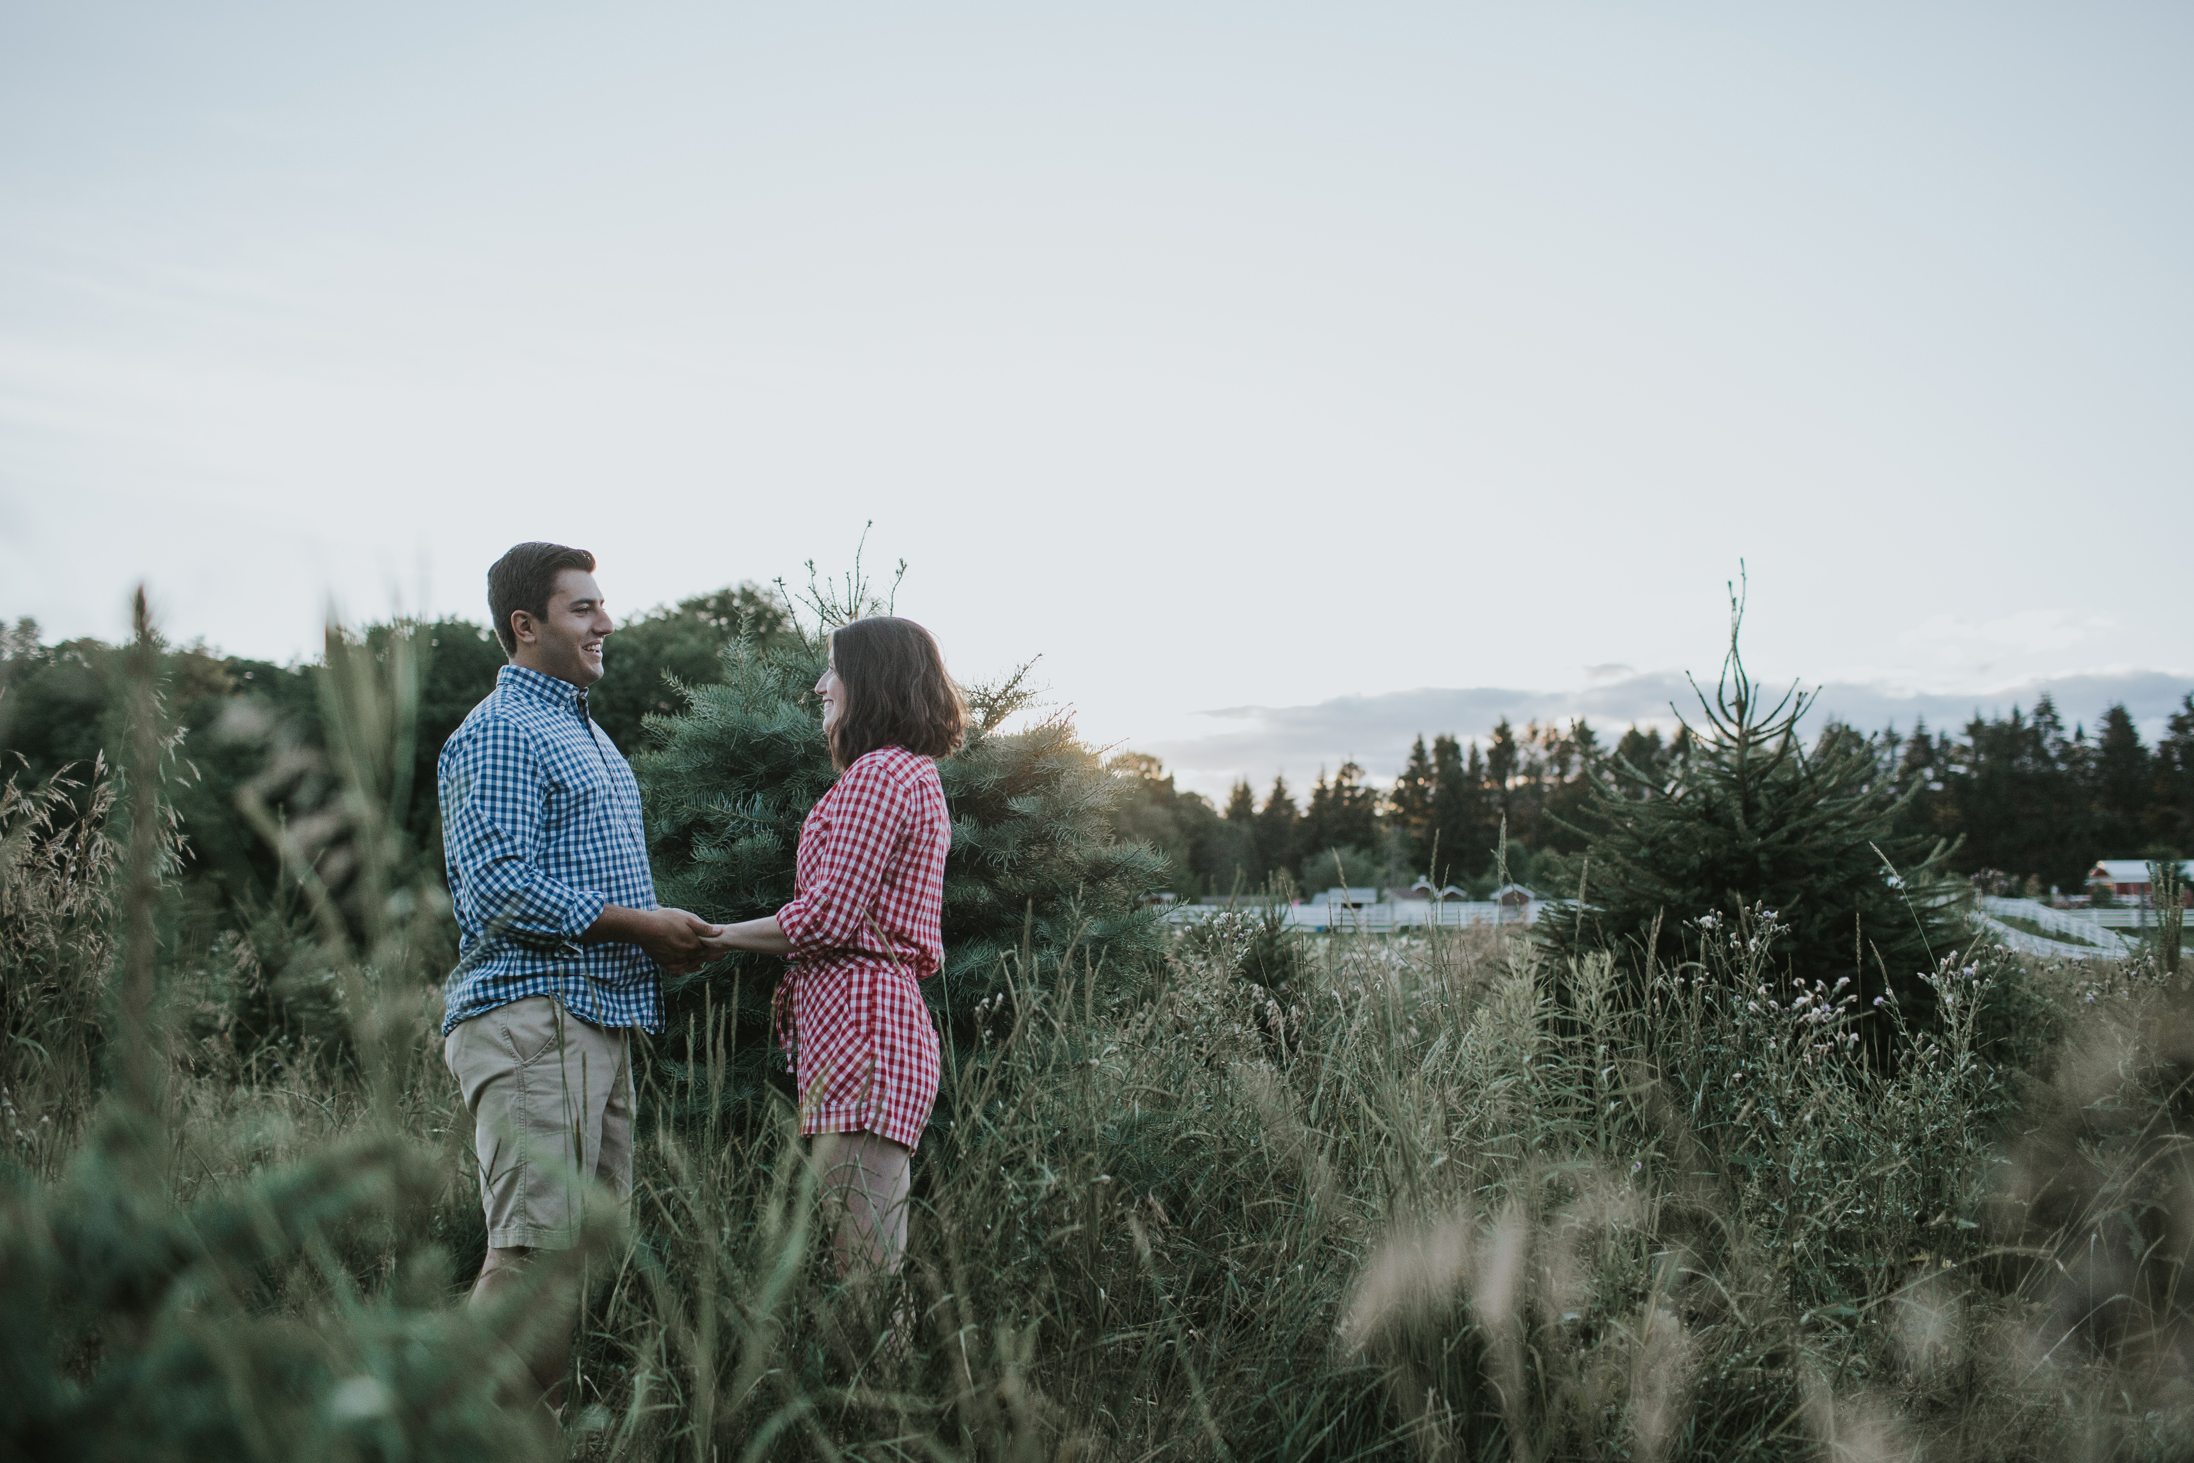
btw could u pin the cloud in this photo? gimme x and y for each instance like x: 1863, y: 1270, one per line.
x: 1295, y: 741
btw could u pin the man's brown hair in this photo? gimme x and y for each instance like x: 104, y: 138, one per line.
x: 524, y: 579
x: 897, y: 692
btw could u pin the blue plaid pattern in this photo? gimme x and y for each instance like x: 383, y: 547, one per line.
x: 541, y: 827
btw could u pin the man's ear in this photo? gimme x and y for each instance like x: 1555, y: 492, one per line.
x: 522, y: 628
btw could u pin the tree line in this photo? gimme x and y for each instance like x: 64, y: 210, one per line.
x: 2020, y: 803
x: 244, y: 722
x: 2024, y: 802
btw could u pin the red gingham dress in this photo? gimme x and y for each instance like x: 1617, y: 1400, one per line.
x: 865, y: 926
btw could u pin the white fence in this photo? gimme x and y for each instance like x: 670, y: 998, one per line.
x: 2079, y: 925
x: 2090, y: 931
x: 1375, y: 918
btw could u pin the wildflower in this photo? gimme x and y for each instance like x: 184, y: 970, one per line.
x: 1879, y: 999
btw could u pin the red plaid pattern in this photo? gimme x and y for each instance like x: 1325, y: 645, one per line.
x: 865, y: 924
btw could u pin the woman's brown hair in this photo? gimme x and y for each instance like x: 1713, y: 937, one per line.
x: 897, y: 692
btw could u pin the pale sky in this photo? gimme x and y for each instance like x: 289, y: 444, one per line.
x: 1225, y: 356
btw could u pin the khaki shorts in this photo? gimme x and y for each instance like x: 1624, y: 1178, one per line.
x: 551, y: 1100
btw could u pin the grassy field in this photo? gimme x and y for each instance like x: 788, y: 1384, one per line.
x: 1435, y: 1196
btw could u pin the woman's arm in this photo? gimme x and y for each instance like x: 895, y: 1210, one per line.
x: 867, y: 823
x: 759, y: 935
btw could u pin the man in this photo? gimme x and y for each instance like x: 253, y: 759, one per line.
x: 562, y: 946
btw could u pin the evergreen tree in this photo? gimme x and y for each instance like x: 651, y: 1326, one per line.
x: 2124, y: 787
x: 1754, y: 820
x: 1504, y: 759
x: 1462, y: 827
x: 1343, y: 816
x: 2017, y: 795
x: 1034, y: 866
x: 1573, y: 761
x: 1233, y: 860
x: 1278, y: 832
x: 2175, y: 779
x: 1645, y: 759
x: 1410, y: 804
x: 1203, y: 852
x: 649, y: 656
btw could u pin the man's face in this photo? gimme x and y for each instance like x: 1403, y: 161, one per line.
x: 567, y: 643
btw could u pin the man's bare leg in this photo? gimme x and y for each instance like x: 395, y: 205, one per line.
x: 548, y: 1358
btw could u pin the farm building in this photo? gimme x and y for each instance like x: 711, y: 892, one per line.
x: 2127, y: 878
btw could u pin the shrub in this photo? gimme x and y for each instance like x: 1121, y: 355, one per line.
x: 1034, y: 876
x: 1753, y: 819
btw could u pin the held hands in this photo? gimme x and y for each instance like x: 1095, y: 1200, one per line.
x: 671, y: 937
x: 681, y: 941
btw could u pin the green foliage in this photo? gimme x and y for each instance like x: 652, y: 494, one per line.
x: 1434, y: 1196
x: 1277, y: 833
x: 57, y: 947
x: 1754, y: 819
x: 169, y: 1291
x: 1342, y: 813
x: 1204, y: 852
x: 60, y: 708
x: 1034, y: 873
x: 651, y: 655
x: 2167, y: 893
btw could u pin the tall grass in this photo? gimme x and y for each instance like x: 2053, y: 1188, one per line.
x: 1426, y: 1197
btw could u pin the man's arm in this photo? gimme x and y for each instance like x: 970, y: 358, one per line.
x: 491, y: 815
x: 671, y: 937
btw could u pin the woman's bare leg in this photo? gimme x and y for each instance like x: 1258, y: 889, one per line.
x: 866, y: 1179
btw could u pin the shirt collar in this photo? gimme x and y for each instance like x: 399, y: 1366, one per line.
x: 559, y: 693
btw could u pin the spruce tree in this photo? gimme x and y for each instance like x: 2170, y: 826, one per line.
x: 1460, y: 825
x: 2175, y: 778
x: 1504, y: 760
x: 1279, y: 832
x: 1343, y: 815
x: 1754, y: 820
x: 1035, y: 875
x: 1410, y: 800
x: 2124, y: 787
x: 675, y: 643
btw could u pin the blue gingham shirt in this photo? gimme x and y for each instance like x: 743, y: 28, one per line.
x: 541, y: 826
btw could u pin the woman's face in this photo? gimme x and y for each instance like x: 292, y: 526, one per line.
x: 833, y: 692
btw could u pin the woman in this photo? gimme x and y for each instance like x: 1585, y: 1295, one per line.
x: 864, y: 926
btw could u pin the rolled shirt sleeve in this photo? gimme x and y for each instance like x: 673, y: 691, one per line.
x: 833, y: 910
x: 492, y: 815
